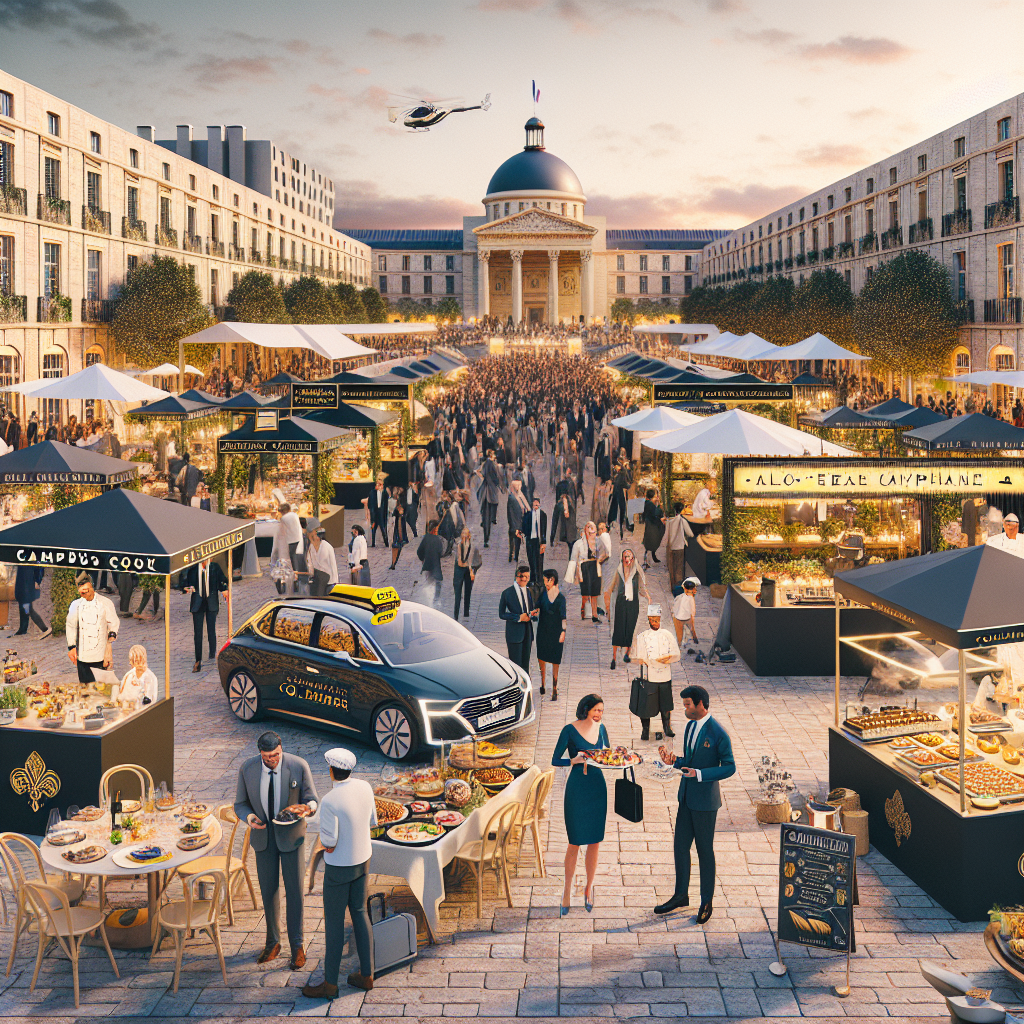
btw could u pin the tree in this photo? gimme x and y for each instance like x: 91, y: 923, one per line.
x: 258, y: 300
x: 773, y: 310
x: 409, y: 310
x: 623, y: 311
x: 159, y: 304
x: 375, y: 306
x: 350, y: 303
x: 309, y: 302
x: 905, y: 318
x: 824, y: 302
x: 448, y: 310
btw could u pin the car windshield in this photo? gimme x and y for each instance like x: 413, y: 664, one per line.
x: 417, y: 634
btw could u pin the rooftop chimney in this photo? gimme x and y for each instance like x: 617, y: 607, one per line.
x: 147, y: 132
x: 184, y: 146
x: 215, y: 147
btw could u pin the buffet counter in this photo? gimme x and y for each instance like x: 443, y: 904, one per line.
x: 704, y: 557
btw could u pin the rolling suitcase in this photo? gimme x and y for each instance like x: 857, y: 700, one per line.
x: 394, y: 938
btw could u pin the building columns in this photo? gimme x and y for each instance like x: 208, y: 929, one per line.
x: 484, y: 301
x: 587, y: 284
x: 517, y: 285
x: 552, y: 286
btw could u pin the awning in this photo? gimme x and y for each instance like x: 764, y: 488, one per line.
x: 197, y: 395
x: 808, y: 380
x: 749, y: 348
x: 97, y: 382
x: 324, y: 339
x: 294, y: 435
x: 676, y: 329
x: 123, y: 530
x: 51, y: 462
x: 249, y: 400
x: 974, y: 432
x: 841, y: 417
x: 712, y: 346
x: 964, y: 598
x: 360, y: 417
x: 1007, y: 378
x: 891, y: 407
x: 817, y: 346
x: 912, y: 416
x: 661, y: 417
x: 282, y: 378
x: 170, y: 370
x: 175, y: 407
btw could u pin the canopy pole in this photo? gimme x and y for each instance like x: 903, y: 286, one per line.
x: 963, y: 725
x: 167, y: 636
x: 836, y: 595
x: 231, y: 573
x: 181, y: 366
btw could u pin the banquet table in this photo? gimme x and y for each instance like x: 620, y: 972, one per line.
x: 423, y: 866
x: 166, y: 834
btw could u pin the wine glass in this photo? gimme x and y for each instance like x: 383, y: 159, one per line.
x: 54, y: 820
x: 73, y: 810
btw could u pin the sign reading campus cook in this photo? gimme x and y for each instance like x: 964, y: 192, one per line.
x: 816, y: 869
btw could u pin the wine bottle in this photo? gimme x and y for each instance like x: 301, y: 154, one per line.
x: 115, y: 811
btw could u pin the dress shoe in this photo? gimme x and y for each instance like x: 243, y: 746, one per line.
x: 321, y: 991
x: 269, y: 953
x: 613, y: 665
x: 704, y: 914
x: 298, y: 960
x: 554, y: 691
x: 197, y: 666
x: 360, y: 981
x: 626, y: 658
x: 676, y: 903
x: 655, y: 558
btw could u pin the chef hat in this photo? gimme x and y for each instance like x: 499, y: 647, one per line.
x: 339, y: 757
x: 654, y: 611
x: 1011, y: 518
x: 82, y: 577
x: 691, y: 581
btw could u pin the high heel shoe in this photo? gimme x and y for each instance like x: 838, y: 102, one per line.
x: 554, y: 691
x: 562, y: 911
x: 589, y: 904
x: 613, y: 664
x: 542, y: 690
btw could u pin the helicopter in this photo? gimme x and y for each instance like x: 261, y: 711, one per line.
x: 425, y: 114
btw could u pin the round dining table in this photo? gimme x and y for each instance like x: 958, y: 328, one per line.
x: 165, y: 832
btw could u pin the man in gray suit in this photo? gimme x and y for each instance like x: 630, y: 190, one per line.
x: 491, y: 483
x: 269, y: 785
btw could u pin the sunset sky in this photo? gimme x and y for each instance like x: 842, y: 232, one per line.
x: 693, y: 113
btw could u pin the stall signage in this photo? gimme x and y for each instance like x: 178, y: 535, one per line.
x: 723, y: 393
x: 959, y: 445
x: 314, y: 396
x: 816, y: 868
x: 212, y: 547
x: 66, y: 478
x: 279, y: 447
x: 871, y: 478
x: 266, y: 419
x: 374, y: 392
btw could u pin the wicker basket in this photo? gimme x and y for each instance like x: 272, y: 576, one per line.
x: 856, y: 824
x: 846, y: 799
x: 772, y: 814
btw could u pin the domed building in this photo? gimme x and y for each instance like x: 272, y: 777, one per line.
x: 536, y: 255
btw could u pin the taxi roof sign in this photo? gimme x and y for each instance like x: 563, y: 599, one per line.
x: 382, y: 601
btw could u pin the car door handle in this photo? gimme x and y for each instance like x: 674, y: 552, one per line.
x: 315, y: 671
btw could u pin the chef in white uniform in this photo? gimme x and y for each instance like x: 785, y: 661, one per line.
x: 91, y: 629
x: 139, y: 683
x: 703, y: 504
x: 657, y: 649
x: 1010, y: 539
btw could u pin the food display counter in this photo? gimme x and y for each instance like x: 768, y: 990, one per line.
x: 704, y: 557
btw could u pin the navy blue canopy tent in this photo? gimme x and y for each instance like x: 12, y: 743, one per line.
x: 974, y: 432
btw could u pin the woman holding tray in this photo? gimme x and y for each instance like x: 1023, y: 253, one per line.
x: 586, y: 795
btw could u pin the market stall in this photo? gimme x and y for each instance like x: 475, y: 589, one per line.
x: 68, y: 733
x: 971, y: 433
x: 163, y: 431
x: 928, y: 784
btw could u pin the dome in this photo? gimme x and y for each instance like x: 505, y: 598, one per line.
x: 534, y: 169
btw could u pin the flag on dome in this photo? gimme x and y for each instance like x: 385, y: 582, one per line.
x: 536, y: 91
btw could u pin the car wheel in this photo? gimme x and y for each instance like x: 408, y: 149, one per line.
x: 394, y: 732
x: 244, y: 696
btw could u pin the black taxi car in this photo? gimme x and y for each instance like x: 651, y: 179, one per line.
x: 363, y: 662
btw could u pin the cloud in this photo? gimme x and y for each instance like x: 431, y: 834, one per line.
x: 867, y: 114
x: 101, y: 21
x: 414, y: 39
x: 213, y: 70
x: 361, y: 204
x: 725, y: 6
x: 857, y: 50
x: 771, y: 37
x: 832, y: 155
x: 510, y: 6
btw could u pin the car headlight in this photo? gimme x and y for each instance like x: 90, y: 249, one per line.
x: 524, y: 680
x: 436, y: 708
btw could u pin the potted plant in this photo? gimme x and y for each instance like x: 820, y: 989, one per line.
x: 13, y: 704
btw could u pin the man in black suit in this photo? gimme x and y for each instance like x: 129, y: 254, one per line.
x: 518, y: 610
x: 205, y: 582
x: 534, y: 531
x: 378, y: 508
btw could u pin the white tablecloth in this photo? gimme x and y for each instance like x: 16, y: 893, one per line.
x: 422, y: 866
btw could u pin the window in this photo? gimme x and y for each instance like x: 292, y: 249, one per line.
x: 922, y: 205
x: 1006, y: 179
x: 294, y: 625
x: 780, y: 224
x: 428, y: 263
x: 1004, y: 360
x: 93, y: 191
x: 53, y: 123
x: 846, y: 275
x: 814, y: 239
x: 133, y: 158
x: 687, y: 285
x: 922, y: 164
x: 960, y: 275
x: 643, y: 262
x: 51, y: 178
x: 848, y: 229
x: 6, y: 104
x: 666, y: 285
x: 959, y: 147
x: 94, y: 142
x: 802, y: 212
x: 869, y: 220
x: 506, y: 209
x: 830, y: 233
x: 234, y: 235
x: 847, y: 194
x: 428, y: 285
x: 214, y: 292
x: 214, y: 228
x: 382, y: 285
x: 133, y: 262
x: 192, y: 182
x: 620, y: 262
x: 382, y: 263
x: 789, y: 219
x: 643, y: 285
x: 802, y: 249
x: 869, y: 186
x: 406, y: 262
x: 664, y: 262
x: 449, y: 285
x: 688, y: 265
x: 963, y: 362
x: 216, y: 193
x: 53, y: 365
x: 335, y: 636
x: 166, y: 171
x: 7, y: 268
x: 770, y: 227
x: 92, y: 274
x: 6, y: 163
x: 51, y: 269
x: 235, y: 199
x: 254, y: 240
x: 620, y: 286
x: 165, y: 213
x: 894, y: 214
x: 789, y: 246
x: 829, y: 203
x: 960, y: 193
x: 1003, y: 129
x: 406, y: 284
x: 449, y: 263
x: 870, y: 273
x: 1007, y: 289
x: 814, y: 209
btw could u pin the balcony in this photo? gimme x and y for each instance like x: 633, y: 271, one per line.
x: 293, y: 265
x: 922, y: 231
x: 95, y: 220
x: 255, y: 256
x: 215, y: 248
x: 13, y: 309
x: 867, y: 243
x: 1002, y: 311
x: 54, y: 310
x: 164, y: 235
x: 1004, y: 213
x: 134, y: 230
x: 959, y: 222
x: 812, y: 255
x: 845, y: 249
x: 192, y: 243
x: 965, y: 307
x: 97, y: 311
x: 52, y: 210
x: 272, y: 260
x: 801, y: 259
x: 234, y: 253
x: 892, y: 237
x: 788, y: 263
x: 778, y: 266
x: 828, y: 253
x: 13, y: 201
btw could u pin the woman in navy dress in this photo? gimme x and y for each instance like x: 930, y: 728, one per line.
x: 586, y: 796
x: 550, y: 630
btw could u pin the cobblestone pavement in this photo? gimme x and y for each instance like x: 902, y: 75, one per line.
x: 620, y: 961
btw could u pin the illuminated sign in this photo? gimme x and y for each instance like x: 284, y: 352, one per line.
x: 314, y: 396
x: 722, y: 393
x: 330, y: 396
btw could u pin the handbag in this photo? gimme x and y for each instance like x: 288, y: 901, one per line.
x: 629, y: 797
x: 644, y: 701
x: 570, y: 571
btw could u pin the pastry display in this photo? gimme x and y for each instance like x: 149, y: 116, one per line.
x: 389, y: 812
x: 952, y: 751
x: 894, y: 722
x: 923, y: 758
x: 1011, y: 755
x: 493, y: 778
x: 984, y: 780
x: 988, y: 746
x: 428, y: 788
x: 930, y: 739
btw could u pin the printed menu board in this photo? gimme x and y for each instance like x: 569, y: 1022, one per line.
x: 816, y: 869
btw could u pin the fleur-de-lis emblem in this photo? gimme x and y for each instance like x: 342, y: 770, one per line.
x: 896, y: 815
x: 35, y: 780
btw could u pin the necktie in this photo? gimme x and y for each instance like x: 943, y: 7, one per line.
x: 522, y: 598
x: 271, y: 809
x: 690, y: 728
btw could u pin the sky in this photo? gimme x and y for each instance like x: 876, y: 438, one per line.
x: 673, y: 113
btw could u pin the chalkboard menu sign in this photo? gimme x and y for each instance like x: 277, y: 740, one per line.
x: 816, y: 869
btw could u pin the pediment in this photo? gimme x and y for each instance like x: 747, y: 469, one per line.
x: 535, y: 221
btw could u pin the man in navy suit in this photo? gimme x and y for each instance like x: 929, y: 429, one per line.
x: 705, y: 761
x: 517, y: 608
x: 205, y: 582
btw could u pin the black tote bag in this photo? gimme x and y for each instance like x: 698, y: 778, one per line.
x: 629, y: 797
x: 644, y: 697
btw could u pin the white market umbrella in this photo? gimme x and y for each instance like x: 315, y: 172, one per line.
x: 748, y: 348
x: 170, y: 370
x: 702, y: 368
x: 661, y: 417
x: 737, y: 432
x: 712, y: 346
x: 817, y: 346
x: 986, y: 378
x: 96, y: 382
x: 324, y: 339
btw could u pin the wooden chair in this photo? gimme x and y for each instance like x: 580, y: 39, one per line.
x: 534, y: 811
x: 232, y: 863
x: 490, y: 853
x: 22, y: 865
x: 142, y: 774
x: 67, y: 924
x: 190, y: 915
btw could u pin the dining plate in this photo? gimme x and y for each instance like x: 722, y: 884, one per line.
x: 192, y: 843
x: 123, y: 858
x: 85, y: 855
x: 415, y: 833
x: 65, y: 837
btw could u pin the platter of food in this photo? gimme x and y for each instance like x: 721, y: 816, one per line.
x: 415, y: 833
x: 286, y: 817
x: 192, y: 827
x: 952, y: 751
x: 930, y: 739
x: 143, y: 855
x: 65, y: 836
x: 980, y: 719
x: 449, y: 819
x: 131, y: 806
x: 922, y: 758
x: 390, y: 812
x: 984, y: 780
x: 518, y: 765
x: 195, y: 812
x: 493, y: 779
x: 481, y: 755
x: 420, y: 807
x: 883, y: 725
x: 88, y: 814
x: 191, y: 843
x: 168, y: 803
x: 614, y: 757
x: 85, y: 855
